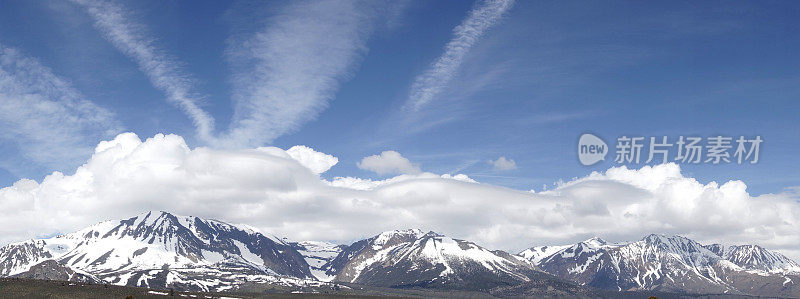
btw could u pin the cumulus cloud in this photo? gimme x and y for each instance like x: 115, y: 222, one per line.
x: 269, y: 189
x: 50, y: 122
x: 503, y: 164
x: 431, y: 82
x: 314, y: 160
x: 388, y: 162
x: 459, y: 177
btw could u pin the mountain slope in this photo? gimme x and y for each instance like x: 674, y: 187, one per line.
x: 158, y: 249
x: 412, y: 258
x: 670, y: 263
x: 754, y: 257
x: 19, y: 257
x: 317, y: 255
x: 52, y: 270
x: 162, y: 250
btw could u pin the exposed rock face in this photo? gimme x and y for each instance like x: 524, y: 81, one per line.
x: 52, y: 270
x: 318, y: 255
x: 19, y: 257
x: 158, y: 249
x: 162, y: 250
x: 412, y: 258
x: 670, y: 263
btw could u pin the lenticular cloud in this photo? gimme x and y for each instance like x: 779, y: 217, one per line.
x: 281, y: 192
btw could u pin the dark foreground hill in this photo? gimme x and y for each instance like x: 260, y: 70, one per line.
x: 32, y: 288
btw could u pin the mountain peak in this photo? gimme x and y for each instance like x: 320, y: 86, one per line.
x: 126, y: 251
x: 389, y: 238
x: 155, y: 214
x: 717, y: 249
x: 755, y: 257
x: 407, y: 231
x: 656, y: 238
x: 161, y: 240
x: 595, y: 241
x: 667, y: 239
x: 671, y: 261
x: 416, y: 258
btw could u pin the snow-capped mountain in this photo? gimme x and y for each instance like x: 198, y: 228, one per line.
x: 317, y: 255
x: 754, y: 257
x: 670, y: 263
x: 162, y: 250
x: 413, y: 258
x: 19, y: 257
x: 158, y: 249
x: 536, y: 254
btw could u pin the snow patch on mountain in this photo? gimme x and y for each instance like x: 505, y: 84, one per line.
x: 318, y: 255
x: 536, y: 254
x: 666, y: 263
x: 754, y: 257
x: 412, y: 257
x: 162, y: 248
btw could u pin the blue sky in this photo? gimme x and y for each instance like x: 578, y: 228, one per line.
x: 542, y: 74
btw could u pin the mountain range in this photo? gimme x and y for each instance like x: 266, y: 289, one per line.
x: 161, y: 250
x: 671, y: 264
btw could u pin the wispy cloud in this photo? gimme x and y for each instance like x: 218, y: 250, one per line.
x: 128, y: 36
x: 431, y: 82
x: 286, y: 73
x: 49, y: 122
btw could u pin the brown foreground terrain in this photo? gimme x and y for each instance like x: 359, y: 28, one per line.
x: 32, y: 288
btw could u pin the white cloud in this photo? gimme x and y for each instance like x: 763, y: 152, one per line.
x: 128, y: 36
x: 503, y: 164
x: 459, y: 177
x: 431, y: 82
x: 48, y: 120
x: 314, y: 160
x: 270, y: 190
x: 368, y: 184
x: 286, y: 73
x: 283, y: 74
x: 388, y: 162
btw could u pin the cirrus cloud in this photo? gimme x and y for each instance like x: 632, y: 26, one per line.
x: 430, y: 83
x: 114, y: 22
x: 284, y: 74
x: 49, y: 121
